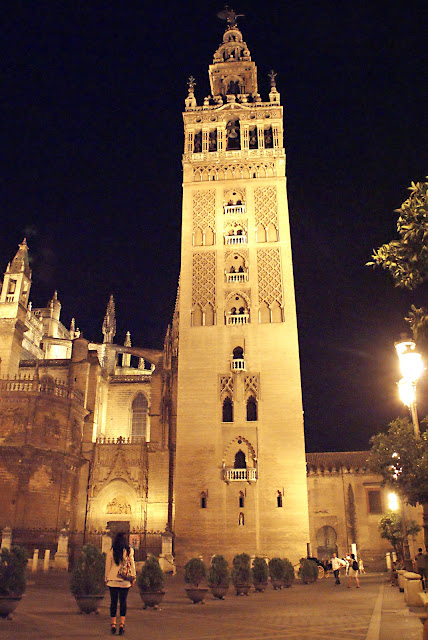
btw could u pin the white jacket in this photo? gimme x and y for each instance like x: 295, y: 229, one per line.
x: 112, y: 568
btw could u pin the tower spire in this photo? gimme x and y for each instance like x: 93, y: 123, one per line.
x: 109, y: 324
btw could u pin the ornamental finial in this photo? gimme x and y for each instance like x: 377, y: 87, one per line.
x: 191, y: 84
x: 230, y: 16
x: 272, y: 76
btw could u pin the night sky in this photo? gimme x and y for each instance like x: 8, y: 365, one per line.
x: 91, y: 143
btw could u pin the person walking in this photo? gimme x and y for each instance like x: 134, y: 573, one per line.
x: 353, y: 571
x: 421, y: 565
x: 336, y: 564
x: 120, y: 575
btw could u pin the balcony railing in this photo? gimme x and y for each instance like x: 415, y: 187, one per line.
x: 238, y: 364
x: 239, y: 475
x: 234, y: 208
x: 238, y: 318
x: 240, y: 276
x: 235, y: 239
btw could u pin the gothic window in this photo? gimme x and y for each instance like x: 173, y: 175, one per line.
x: 241, y: 500
x: 197, y: 316
x: 264, y: 313
x: 268, y: 138
x: 12, y: 286
x: 209, y: 316
x: 139, y: 416
x: 203, y: 500
x: 240, y: 461
x: 271, y: 233
x: 227, y: 410
x: 209, y: 237
x: 279, y: 499
x: 374, y: 501
x: 198, y: 142
x: 253, y: 142
x: 233, y: 135
x: 251, y: 409
x: 198, y: 238
x: 276, y: 312
x: 212, y: 145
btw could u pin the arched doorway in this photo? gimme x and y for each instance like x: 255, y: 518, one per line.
x: 326, y: 543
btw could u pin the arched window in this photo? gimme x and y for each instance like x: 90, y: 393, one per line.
x: 240, y: 462
x: 251, y: 409
x: 139, y: 416
x: 203, y: 500
x: 227, y: 410
x: 241, y: 500
x: 241, y: 519
x: 279, y: 499
x: 238, y: 353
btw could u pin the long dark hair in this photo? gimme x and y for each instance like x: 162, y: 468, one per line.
x: 120, y: 543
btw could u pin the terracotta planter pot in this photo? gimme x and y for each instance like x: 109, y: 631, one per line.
x: 219, y: 592
x: 260, y: 586
x: 89, y: 604
x: 152, y: 598
x: 196, y: 594
x: 277, y: 584
x: 8, y: 605
x: 242, y: 589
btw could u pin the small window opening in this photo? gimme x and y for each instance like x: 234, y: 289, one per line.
x: 227, y: 410
x: 241, y: 519
x: 241, y: 500
x: 203, y: 500
x: 279, y: 499
x: 251, y: 409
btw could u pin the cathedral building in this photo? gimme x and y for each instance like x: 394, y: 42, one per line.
x: 204, y: 438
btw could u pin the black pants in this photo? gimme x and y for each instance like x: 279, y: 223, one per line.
x: 116, y: 593
x: 336, y: 575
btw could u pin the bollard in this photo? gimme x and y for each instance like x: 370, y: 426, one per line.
x: 6, y: 538
x: 46, y: 560
x: 388, y: 561
x: 35, y: 560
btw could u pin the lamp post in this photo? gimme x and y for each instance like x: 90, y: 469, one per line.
x: 411, y: 367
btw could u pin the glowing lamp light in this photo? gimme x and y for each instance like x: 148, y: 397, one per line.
x: 411, y: 364
x: 407, y: 391
x: 393, y: 501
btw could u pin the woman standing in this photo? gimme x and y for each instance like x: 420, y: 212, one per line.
x: 118, y: 586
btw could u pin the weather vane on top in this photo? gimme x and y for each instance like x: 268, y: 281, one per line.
x: 230, y: 16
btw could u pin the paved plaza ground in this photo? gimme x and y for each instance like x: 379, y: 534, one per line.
x: 321, y: 611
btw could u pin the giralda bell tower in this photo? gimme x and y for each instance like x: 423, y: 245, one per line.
x: 240, y: 476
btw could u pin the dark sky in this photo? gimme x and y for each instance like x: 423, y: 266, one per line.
x: 91, y: 142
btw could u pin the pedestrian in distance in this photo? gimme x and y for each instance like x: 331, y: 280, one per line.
x: 421, y: 566
x: 120, y: 575
x: 353, y: 572
x: 336, y: 565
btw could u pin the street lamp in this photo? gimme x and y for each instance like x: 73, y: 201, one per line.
x: 411, y: 367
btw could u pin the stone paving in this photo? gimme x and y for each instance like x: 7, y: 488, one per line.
x: 321, y: 611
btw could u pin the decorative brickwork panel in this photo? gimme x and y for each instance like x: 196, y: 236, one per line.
x: 206, y: 172
x: 226, y: 387
x: 252, y: 386
x: 203, y: 280
x: 266, y: 207
x: 204, y: 210
x: 269, y: 276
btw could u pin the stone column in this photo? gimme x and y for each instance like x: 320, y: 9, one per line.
x: 61, y: 556
x: 46, y: 560
x: 166, y: 559
x: 6, y: 538
x: 106, y: 541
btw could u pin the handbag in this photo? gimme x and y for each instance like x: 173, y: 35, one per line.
x: 125, y: 571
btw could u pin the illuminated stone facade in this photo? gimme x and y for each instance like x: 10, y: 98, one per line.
x: 240, y: 479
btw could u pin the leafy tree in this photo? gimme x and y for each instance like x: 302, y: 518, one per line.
x: 391, y: 528
x: 401, y: 458
x: 407, y: 258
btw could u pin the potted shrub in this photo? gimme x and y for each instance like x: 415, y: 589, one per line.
x: 12, y: 579
x: 308, y: 571
x: 260, y: 573
x: 289, y: 574
x: 277, y: 572
x: 219, y: 577
x: 241, y: 573
x: 150, y: 583
x: 194, y: 573
x: 87, y: 582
